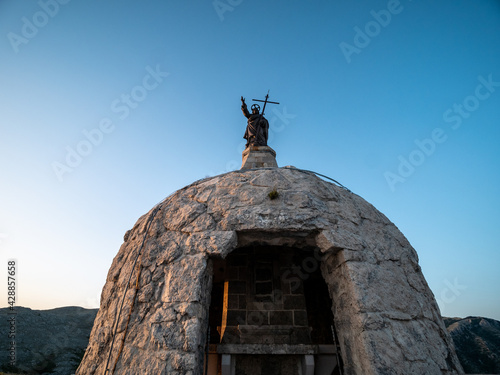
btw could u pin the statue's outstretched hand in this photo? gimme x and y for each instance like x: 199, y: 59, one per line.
x: 243, y: 100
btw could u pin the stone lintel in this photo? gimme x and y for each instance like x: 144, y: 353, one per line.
x: 274, y: 349
x: 259, y: 157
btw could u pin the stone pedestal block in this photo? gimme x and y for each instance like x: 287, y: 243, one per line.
x: 259, y: 157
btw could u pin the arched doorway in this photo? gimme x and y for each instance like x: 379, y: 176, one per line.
x: 271, y: 313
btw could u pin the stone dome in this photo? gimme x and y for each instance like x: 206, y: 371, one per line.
x: 386, y: 318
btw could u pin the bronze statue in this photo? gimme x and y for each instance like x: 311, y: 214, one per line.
x: 257, y: 127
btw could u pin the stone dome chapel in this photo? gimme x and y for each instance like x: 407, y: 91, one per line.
x: 267, y: 270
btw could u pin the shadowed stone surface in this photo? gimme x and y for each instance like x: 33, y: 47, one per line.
x: 386, y: 317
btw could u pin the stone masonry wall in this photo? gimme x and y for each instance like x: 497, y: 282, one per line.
x: 386, y: 316
x: 264, y: 307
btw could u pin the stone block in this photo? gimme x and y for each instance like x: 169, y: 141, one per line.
x: 281, y: 317
x: 257, y: 317
x: 188, y: 268
x: 237, y: 287
x: 242, y: 299
x: 294, y: 302
x: 231, y: 335
x: 236, y: 317
x: 300, y: 335
x: 264, y: 288
x: 263, y: 273
x: 297, y: 287
x: 263, y: 299
x: 233, y: 302
x: 300, y: 318
x: 258, y: 157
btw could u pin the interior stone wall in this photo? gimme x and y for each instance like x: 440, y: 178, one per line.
x: 386, y: 317
x: 265, y: 304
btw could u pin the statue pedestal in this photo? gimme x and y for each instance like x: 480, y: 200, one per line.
x: 259, y: 157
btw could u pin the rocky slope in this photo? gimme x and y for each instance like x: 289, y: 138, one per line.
x: 477, y: 343
x: 53, y: 341
x: 47, y: 341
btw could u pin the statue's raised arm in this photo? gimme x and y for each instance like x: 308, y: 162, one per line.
x: 256, y: 133
x: 244, y: 108
x: 257, y: 126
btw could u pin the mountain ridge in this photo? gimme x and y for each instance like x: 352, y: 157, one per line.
x: 477, y: 343
x: 53, y: 341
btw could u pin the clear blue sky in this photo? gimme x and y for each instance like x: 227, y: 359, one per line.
x: 399, y: 101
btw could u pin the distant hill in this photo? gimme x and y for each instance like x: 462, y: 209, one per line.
x: 477, y: 342
x: 54, y: 341
x: 48, y: 341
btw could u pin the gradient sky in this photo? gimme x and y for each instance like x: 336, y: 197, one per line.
x: 397, y: 100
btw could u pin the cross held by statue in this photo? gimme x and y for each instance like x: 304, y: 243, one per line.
x: 256, y: 133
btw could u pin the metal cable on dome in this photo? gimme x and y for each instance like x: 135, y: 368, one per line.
x: 319, y: 174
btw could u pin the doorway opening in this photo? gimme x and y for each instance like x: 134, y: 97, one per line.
x: 270, y: 305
